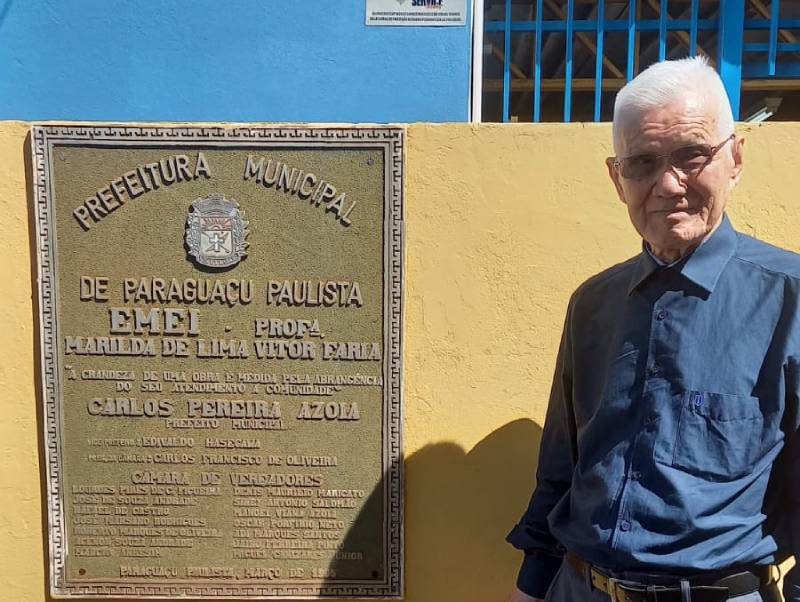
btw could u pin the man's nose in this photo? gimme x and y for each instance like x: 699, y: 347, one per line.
x: 670, y: 181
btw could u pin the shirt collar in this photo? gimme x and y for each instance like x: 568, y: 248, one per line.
x: 659, y: 263
x: 703, y: 266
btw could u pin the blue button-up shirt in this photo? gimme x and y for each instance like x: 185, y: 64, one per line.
x: 669, y: 443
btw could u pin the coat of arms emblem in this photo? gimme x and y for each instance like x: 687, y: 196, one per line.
x: 216, y: 231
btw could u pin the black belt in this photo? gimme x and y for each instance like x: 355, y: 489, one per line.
x: 712, y: 587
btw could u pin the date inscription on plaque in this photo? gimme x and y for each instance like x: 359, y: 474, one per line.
x: 220, y: 348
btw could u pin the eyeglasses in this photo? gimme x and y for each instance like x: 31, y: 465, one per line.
x: 689, y: 159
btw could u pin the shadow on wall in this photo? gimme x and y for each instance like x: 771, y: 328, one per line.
x: 458, y: 509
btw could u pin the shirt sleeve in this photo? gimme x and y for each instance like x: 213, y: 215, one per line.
x: 557, y: 458
x: 791, y: 582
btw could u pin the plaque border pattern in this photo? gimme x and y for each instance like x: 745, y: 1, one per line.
x: 391, y: 139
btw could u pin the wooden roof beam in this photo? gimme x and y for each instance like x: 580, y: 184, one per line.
x: 586, y: 40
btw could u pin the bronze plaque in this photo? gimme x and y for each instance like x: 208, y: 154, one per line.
x: 220, y: 345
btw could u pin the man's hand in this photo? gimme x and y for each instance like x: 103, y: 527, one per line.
x: 518, y: 596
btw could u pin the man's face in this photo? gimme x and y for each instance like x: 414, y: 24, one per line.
x: 671, y: 209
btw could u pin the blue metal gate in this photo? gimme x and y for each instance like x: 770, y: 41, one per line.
x: 753, y: 47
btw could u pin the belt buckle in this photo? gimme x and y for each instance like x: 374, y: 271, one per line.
x: 612, y: 590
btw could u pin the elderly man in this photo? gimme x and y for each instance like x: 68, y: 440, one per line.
x: 668, y: 464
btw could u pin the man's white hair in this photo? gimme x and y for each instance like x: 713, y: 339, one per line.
x: 662, y: 84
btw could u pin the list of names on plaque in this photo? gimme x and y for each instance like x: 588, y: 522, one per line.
x: 220, y: 318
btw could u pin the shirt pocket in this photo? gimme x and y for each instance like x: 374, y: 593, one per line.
x: 719, y: 436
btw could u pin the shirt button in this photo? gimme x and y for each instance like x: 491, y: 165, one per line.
x: 661, y: 315
x: 625, y: 526
x: 656, y: 371
x: 636, y: 475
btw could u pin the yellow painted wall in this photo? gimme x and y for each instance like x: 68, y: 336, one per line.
x: 503, y: 222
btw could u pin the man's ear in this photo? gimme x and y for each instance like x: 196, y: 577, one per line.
x: 738, y: 161
x: 613, y: 173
